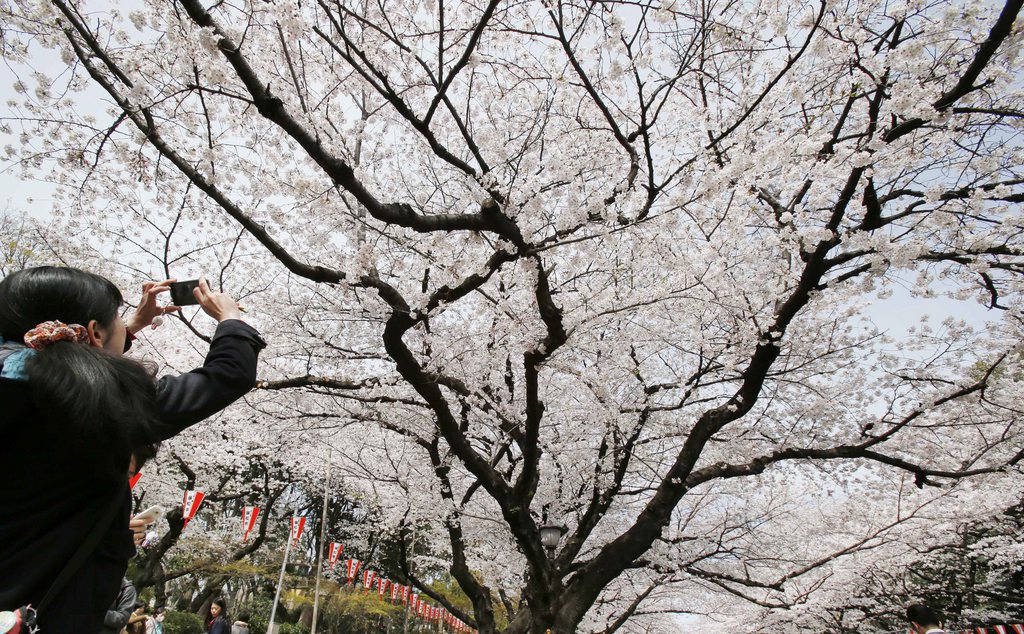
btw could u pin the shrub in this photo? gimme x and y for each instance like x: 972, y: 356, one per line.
x: 183, y: 623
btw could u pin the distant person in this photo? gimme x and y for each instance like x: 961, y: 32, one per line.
x: 241, y: 626
x: 72, y: 412
x: 155, y: 623
x: 116, y: 618
x: 217, y: 621
x: 924, y: 620
x: 137, y: 621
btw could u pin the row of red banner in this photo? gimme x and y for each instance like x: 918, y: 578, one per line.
x: 370, y: 580
x: 405, y: 596
x: 414, y: 601
x: 1014, y: 628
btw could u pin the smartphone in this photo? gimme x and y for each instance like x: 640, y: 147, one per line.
x: 152, y: 515
x: 181, y: 293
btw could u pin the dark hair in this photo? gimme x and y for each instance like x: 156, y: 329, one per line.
x: 223, y: 608
x: 139, y: 604
x: 923, y: 615
x: 90, y: 397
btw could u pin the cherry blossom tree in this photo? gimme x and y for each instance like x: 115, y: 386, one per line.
x: 601, y: 265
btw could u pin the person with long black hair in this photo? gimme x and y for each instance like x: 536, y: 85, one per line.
x: 217, y: 620
x: 73, y: 411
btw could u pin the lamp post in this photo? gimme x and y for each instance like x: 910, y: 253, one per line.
x: 550, y: 536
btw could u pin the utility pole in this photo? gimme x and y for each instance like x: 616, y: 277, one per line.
x: 280, y: 579
x: 323, y: 532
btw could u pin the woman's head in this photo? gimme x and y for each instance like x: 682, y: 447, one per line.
x: 86, y: 394
x: 219, y: 608
x: 49, y: 293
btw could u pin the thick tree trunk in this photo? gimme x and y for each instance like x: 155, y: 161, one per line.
x: 201, y: 602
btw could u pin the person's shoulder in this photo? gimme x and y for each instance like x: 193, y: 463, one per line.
x: 19, y: 412
x: 15, y: 393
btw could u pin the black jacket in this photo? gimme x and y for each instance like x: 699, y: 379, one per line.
x: 50, y: 496
x: 218, y: 626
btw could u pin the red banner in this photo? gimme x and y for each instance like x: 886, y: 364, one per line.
x: 368, y: 577
x: 298, y: 523
x: 382, y: 585
x: 132, y: 481
x: 335, y: 553
x: 394, y: 591
x: 249, y: 515
x: 191, y: 504
x: 352, y: 570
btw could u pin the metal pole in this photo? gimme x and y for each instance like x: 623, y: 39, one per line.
x: 323, y: 532
x: 412, y: 547
x: 280, y: 579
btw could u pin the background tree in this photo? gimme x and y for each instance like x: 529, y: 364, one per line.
x: 597, y: 264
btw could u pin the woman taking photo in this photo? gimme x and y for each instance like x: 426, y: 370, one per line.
x: 74, y: 410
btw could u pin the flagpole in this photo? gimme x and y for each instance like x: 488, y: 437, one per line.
x: 412, y: 548
x: 280, y: 579
x: 323, y: 532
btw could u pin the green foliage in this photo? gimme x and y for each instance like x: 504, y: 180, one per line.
x: 1013, y: 364
x: 293, y: 628
x: 183, y: 623
x: 352, y: 610
x: 259, y: 613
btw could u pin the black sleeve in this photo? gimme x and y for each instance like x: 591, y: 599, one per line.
x: 228, y: 373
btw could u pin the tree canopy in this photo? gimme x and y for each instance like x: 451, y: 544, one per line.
x: 598, y: 265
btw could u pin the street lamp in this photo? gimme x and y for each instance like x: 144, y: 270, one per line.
x: 550, y: 535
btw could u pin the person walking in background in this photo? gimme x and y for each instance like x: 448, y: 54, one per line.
x: 116, y: 618
x: 241, y: 626
x: 217, y: 618
x: 924, y: 620
x: 74, y: 411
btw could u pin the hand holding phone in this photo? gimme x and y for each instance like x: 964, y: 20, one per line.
x: 151, y: 515
x: 216, y: 304
x: 182, y: 293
